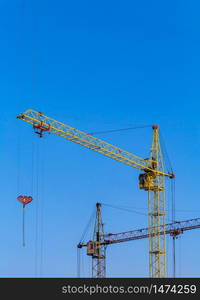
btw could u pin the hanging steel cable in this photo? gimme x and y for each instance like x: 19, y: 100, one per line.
x: 124, y: 209
x: 92, y: 218
x: 165, y: 154
x: 79, y: 252
x: 78, y: 262
x: 118, y: 130
x: 24, y: 200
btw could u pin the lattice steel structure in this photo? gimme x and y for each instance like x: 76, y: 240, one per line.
x: 99, y: 256
x: 173, y: 229
x: 156, y: 212
x: 151, y: 179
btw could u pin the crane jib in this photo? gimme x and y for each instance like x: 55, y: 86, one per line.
x: 42, y: 124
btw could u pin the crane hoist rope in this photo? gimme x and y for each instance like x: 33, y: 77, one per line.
x: 151, y: 179
x: 119, y: 130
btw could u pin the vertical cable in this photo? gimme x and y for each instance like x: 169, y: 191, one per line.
x: 78, y: 262
x: 82, y: 263
x: 19, y: 161
x: 180, y: 258
x: 174, y: 255
x: 32, y: 164
x: 173, y: 200
x: 42, y: 199
x: 173, y: 220
x: 37, y: 211
x: 23, y: 225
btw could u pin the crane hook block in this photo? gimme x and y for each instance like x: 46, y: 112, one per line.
x: 24, y: 199
x: 41, y: 128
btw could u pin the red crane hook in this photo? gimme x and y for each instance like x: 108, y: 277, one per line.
x: 24, y: 200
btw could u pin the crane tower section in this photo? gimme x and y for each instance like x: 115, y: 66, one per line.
x: 96, y: 249
x: 154, y: 183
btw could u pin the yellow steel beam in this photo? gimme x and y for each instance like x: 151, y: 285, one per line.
x: 44, y: 123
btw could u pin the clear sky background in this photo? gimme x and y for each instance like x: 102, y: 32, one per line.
x: 95, y: 65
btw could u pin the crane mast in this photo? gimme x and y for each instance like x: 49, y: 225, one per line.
x: 99, y: 252
x: 156, y: 213
x: 151, y: 179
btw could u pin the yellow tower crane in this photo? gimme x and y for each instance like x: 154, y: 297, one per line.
x: 152, y: 178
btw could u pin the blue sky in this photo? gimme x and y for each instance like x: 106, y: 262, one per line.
x: 95, y: 65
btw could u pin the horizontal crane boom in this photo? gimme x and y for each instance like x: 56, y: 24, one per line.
x: 42, y: 123
x: 174, y: 229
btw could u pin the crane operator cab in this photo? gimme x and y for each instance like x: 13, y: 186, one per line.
x: 146, y: 181
x: 91, y: 248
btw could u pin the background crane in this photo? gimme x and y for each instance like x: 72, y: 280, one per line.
x: 99, y: 253
x: 97, y: 247
x: 151, y: 179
